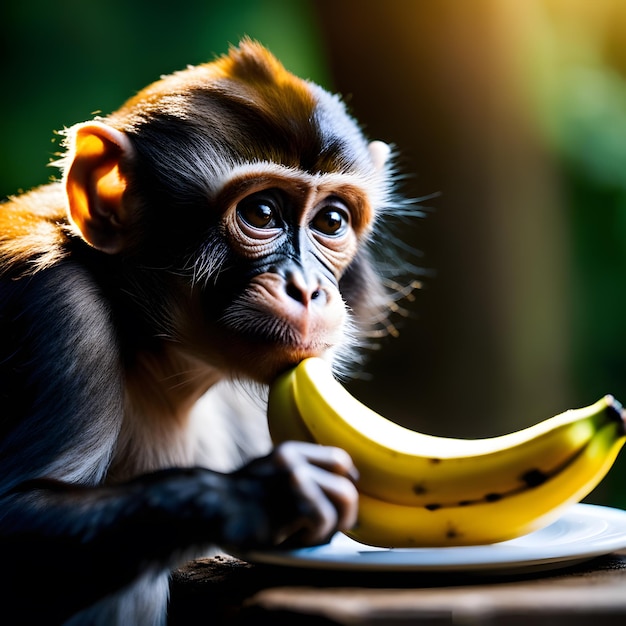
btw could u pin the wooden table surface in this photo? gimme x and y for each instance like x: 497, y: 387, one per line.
x: 225, y: 590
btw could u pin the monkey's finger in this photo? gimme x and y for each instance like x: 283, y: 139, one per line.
x: 315, y: 522
x: 330, y: 458
x: 343, y: 495
x: 332, y: 503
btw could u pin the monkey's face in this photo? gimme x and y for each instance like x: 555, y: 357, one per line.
x: 291, y: 237
x: 248, y: 188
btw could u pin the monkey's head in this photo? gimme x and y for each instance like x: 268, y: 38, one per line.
x: 240, y: 200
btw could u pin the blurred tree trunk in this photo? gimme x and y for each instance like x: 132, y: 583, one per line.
x: 487, y: 348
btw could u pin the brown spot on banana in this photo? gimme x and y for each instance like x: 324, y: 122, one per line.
x: 453, y: 533
x: 419, y: 489
x: 432, y: 507
x: 493, y: 497
x: 534, y: 478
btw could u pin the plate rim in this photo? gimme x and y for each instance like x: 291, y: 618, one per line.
x: 502, y: 558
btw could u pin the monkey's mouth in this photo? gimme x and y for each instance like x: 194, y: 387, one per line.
x: 284, y: 327
x: 265, y: 346
x: 262, y: 329
x: 274, y: 330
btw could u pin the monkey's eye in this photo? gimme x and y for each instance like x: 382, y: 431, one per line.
x: 331, y: 221
x: 260, y: 210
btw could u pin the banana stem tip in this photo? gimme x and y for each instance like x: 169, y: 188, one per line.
x: 616, y: 409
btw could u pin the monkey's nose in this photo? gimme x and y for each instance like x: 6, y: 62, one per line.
x: 299, y: 289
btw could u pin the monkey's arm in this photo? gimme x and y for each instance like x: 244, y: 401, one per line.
x: 95, y: 540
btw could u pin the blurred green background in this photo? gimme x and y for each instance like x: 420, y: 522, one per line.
x: 514, y: 112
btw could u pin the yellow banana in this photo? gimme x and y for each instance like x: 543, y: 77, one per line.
x: 408, y: 467
x: 417, y: 489
x: 494, y: 518
x: 284, y: 418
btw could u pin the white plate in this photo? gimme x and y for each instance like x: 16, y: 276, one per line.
x: 584, y: 532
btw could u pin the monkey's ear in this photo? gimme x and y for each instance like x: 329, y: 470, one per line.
x: 95, y: 185
x: 379, y: 151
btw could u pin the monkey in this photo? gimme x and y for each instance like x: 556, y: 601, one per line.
x: 209, y: 234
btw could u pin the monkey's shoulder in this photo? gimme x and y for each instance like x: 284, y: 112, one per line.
x: 34, y: 229
x: 41, y: 260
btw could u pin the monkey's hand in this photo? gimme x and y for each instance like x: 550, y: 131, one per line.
x: 300, y: 494
x: 98, y: 538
